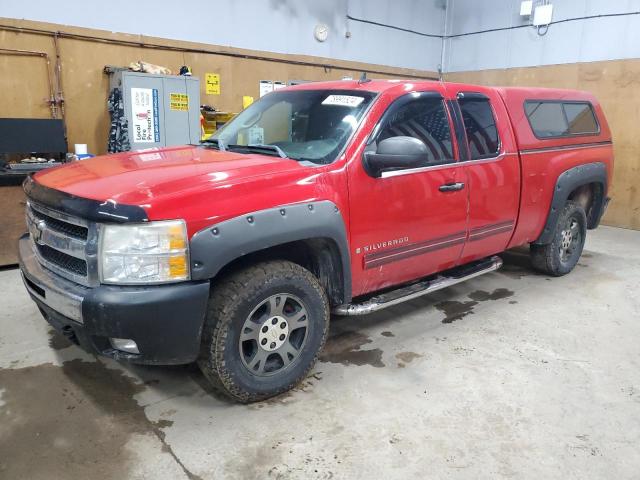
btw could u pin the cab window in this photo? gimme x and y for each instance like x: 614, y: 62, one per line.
x: 426, y: 120
x: 480, y: 126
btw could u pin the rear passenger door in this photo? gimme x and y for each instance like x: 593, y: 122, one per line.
x: 492, y: 168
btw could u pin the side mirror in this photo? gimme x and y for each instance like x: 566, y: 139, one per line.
x: 396, y: 153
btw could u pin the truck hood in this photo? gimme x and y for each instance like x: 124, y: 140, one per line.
x: 139, y: 178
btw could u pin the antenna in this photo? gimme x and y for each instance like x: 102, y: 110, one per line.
x: 363, y: 78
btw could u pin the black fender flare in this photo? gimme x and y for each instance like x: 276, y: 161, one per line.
x: 216, y: 246
x: 566, y: 183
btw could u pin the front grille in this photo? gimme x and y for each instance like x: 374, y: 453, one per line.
x: 76, y: 231
x: 62, y: 260
x: 65, y: 244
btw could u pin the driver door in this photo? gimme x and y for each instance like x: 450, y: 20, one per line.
x: 408, y: 223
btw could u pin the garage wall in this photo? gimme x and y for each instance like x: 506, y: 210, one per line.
x: 515, y: 44
x: 508, y: 57
x: 85, y: 52
x: 282, y: 26
x: 521, y: 58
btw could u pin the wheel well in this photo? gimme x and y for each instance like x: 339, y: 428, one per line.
x: 590, y: 197
x: 320, y: 256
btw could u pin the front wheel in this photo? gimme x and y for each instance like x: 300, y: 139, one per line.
x: 264, y: 329
x: 561, y: 255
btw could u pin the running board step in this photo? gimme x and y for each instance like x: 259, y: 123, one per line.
x: 415, y: 290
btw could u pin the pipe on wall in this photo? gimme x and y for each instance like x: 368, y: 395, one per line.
x: 59, y: 96
x: 142, y: 44
x: 53, y: 105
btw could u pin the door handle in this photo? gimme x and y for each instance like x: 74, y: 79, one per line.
x: 451, y: 187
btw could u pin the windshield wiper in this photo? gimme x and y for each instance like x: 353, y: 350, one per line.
x: 216, y: 143
x: 265, y: 149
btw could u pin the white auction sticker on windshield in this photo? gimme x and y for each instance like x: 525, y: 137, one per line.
x: 343, y: 100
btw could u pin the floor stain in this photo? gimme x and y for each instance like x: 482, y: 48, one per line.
x: 57, y: 341
x: 163, y: 423
x: 454, y: 310
x: 79, y: 427
x: 344, y: 347
x: 497, y: 294
x: 387, y: 334
x: 407, y: 357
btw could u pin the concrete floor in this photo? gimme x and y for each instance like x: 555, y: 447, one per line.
x: 509, y: 375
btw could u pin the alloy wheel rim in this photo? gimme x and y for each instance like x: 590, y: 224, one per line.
x: 570, y: 239
x: 274, y: 334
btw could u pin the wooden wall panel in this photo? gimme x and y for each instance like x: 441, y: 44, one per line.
x: 24, y: 88
x: 12, y: 223
x: 23, y: 79
x: 85, y: 86
x: 616, y: 84
x: 25, y: 91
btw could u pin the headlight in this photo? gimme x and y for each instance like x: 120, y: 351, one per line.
x: 154, y: 252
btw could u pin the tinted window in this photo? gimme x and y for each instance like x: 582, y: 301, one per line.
x: 546, y: 119
x: 426, y: 120
x: 561, y: 119
x: 480, y: 126
x: 580, y: 118
x: 311, y: 125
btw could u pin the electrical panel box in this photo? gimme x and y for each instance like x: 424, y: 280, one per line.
x: 161, y: 110
x: 526, y: 8
x: 542, y: 15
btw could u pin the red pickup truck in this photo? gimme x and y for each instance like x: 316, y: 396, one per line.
x: 345, y: 196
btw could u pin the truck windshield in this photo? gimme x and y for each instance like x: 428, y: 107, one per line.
x: 311, y: 125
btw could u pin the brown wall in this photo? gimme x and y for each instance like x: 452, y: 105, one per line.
x: 23, y: 80
x: 616, y: 84
x: 25, y: 88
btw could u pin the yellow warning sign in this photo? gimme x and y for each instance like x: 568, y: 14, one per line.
x: 246, y: 101
x: 179, y: 101
x: 212, y: 81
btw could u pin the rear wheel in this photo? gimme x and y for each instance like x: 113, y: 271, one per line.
x: 265, y: 326
x: 561, y: 255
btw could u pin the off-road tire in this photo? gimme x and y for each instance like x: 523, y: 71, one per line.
x: 548, y: 258
x: 231, y: 302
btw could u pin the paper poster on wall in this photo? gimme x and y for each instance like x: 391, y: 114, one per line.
x: 179, y: 101
x: 266, y: 86
x: 212, y: 83
x: 278, y: 85
x: 144, y: 115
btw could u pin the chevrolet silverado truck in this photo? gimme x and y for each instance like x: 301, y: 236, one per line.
x: 344, y: 197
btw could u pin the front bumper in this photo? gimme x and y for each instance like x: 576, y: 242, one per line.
x: 165, y: 321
